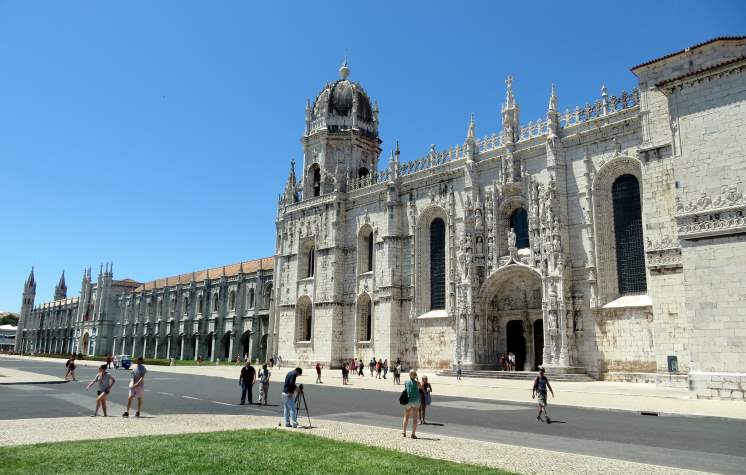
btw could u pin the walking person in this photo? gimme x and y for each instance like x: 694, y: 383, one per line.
x: 360, y: 368
x: 397, y: 373
x: 318, y: 373
x: 458, y: 371
x: 372, y: 365
x: 541, y: 384
x: 105, y: 382
x: 70, y: 367
x: 345, y: 373
x: 289, y: 393
x: 108, y: 361
x: 353, y: 366
x: 379, y: 366
x: 411, y: 409
x: 264, y: 375
x: 137, y: 387
x: 246, y: 380
x: 385, y: 367
x: 425, y: 400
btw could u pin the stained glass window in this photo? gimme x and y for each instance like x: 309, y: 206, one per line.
x: 437, y: 264
x: 630, y: 253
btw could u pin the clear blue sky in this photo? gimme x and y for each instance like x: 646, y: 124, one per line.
x: 157, y: 135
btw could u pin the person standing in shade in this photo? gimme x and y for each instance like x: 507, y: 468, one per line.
x: 318, y: 373
x: 70, y: 367
x: 246, y: 381
x: 105, y: 382
x: 345, y: 373
x: 264, y: 375
x: 541, y: 384
x: 137, y: 387
x: 289, y: 392
x: 412, y: 408
x: 425, y: 398
x: 458, y: 371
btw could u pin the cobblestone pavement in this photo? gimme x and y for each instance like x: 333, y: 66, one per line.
x: 508, y: 457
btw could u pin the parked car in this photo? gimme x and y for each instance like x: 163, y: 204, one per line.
x: 123, y: 361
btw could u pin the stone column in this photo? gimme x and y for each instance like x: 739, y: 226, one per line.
x: 155, y: 353
x: 181, y: 349
x: 212, y: 347
x: 196, y: 347
x: 134, y: 345
x: 251, y: 345
x: 231, y: 337
x: 168, y: 347
x: 144, y: 346
x: 114, y: 347
x: 564, y: 358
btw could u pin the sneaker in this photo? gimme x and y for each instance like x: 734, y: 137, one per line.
x: 126, y: 414
x: 538, y: 419
x: 137, y: 414
x: 549, y: 421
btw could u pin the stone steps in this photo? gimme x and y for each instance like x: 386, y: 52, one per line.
x: 518, y: 375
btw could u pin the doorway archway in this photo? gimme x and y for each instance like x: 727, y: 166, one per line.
x: 510, y: 303
x: 245, y: 344
x: 86, y: 340
x: 516, y: 342
x: 538, y: 343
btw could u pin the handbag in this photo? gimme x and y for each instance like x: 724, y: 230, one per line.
x: 404, y: 398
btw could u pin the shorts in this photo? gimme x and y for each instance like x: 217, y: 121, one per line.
x: 137, y: 391
x: 542, y: 399
x: 98, y: 393
x: 412, y: 405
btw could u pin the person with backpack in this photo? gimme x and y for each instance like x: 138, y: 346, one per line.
x: 541, y: 384
x: 70, y: 367
x: 105, y: 382
x: 410, y: 399
x: 264, y: 375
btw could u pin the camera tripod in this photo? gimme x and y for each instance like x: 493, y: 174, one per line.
x: 302, y: 396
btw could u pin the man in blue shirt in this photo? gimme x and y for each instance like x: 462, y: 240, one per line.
x: 289, y: 390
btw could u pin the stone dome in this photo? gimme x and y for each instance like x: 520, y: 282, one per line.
x: 335, y: 103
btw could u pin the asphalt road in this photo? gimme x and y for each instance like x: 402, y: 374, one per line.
x: 700, y: 443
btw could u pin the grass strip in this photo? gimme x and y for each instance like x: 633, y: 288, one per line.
x: 245, y: 451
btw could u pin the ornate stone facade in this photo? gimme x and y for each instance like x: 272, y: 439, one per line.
x: 217, y: 313
x: 522, y: 241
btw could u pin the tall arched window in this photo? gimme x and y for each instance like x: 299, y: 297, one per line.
x: 365, y: 318
x: 215, y: 302
x: 370, y: 252
x: 251, y: 298
x: 437, y: 264
x: 519, y: 223
x: 200, y: 306
x: 315, y: 174
x: 365, y: 250
x: 311, y: 262
x: 303, y: 321
x: 267, y: 295
x: 630, y: 253
x: 232, y: 300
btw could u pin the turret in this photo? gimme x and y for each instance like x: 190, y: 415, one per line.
x: 510, y: 113
x: 27, y: 306
x: 552, y: 115
x: 60, y: 290
x: 471, y: 141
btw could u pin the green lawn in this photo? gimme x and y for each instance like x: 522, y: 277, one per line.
x: 249, y: 451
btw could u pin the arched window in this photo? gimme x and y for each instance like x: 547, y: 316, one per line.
x: 185, y: 306
x: 519, y: 224
x: 437, y: 264
x: 630, y: 253
x: 365, y: 250
x: 303, y: 322
x: 311, y: 262
x: 267, y: 295
x: 232, y: 300
x: 215, y: 302
x: 172, y: 306
x: 315, y: 174
x: 365, y: 318
x: 251, y: 298
x: 362, y: 172
x: 200, y: 306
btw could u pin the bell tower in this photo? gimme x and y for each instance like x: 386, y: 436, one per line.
x: 340, y: 143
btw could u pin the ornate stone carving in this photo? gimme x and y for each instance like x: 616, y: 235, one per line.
x: 713, y: 216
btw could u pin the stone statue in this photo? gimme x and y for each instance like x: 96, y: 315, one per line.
x: 511, y: 239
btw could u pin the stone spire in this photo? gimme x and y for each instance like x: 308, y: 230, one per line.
x: 510, y: 113
x: 291, y: 185
x: 344, y: 70
x: 60, y: 291
x: 552, y: 115
x: 471, y: 141
x: 308, y: 116
x: 30, y: 281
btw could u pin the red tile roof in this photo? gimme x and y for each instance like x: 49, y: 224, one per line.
x: 245, y: 267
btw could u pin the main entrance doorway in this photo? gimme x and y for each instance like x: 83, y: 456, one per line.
x: 516, y: 342
x: 511, y: 304
x: 538, y: 343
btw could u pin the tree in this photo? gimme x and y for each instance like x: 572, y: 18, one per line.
x: 8, y: 318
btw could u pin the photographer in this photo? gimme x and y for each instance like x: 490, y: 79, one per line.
x: 289, y: 393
